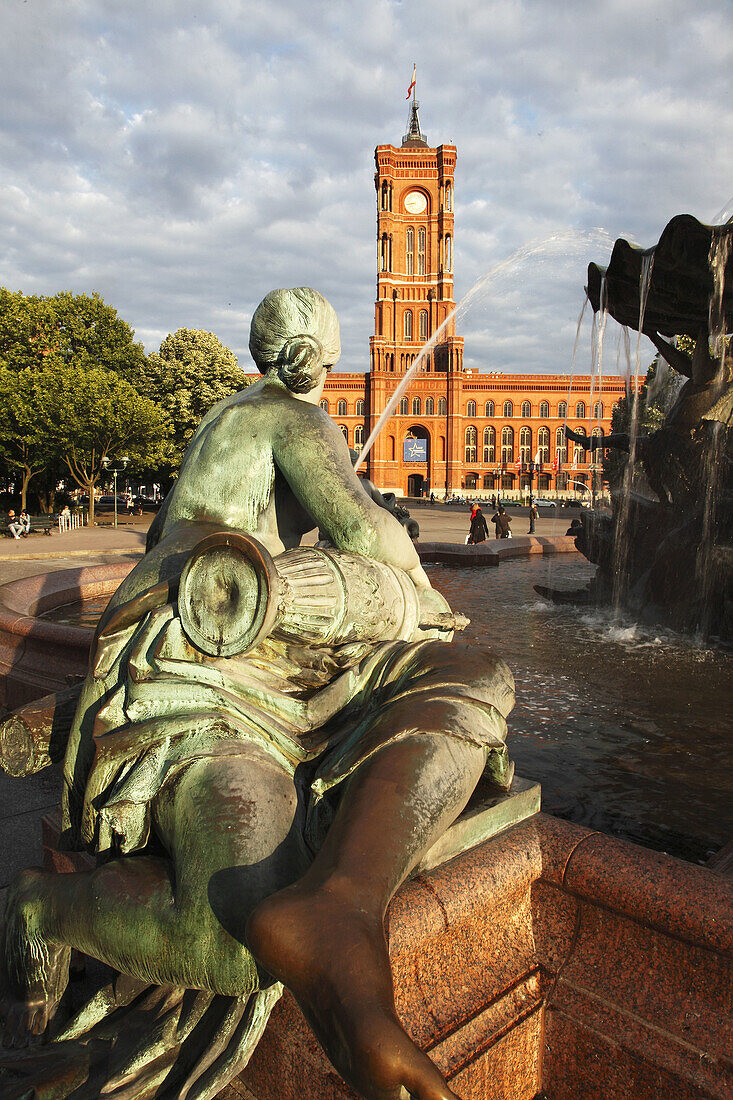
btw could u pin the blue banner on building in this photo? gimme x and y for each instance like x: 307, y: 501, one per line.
x: 415, y: 450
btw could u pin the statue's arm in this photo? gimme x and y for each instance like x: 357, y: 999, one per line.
x: 312, y: 455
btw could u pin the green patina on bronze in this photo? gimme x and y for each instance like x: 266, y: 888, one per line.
x: 269, y: 740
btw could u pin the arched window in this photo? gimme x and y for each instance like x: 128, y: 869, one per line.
x: 344, y: 431
x: 391, y: 448
x: 442, y: 448
x: 423, y: 325
x: 543, y: 444
x: 385, y: 195
x: 324, y: 405
x: 508, y: 408
x: 359, y: 410
x: 598, y: 410
x: 580, y: 410
x: 341, y: 408
x: 507, y: 445
x: 525, y: 444
x: 404, y: 407
x: 471, y: 444
x: 489, y: 409
x: 448, y: 254
x: 407, y: 321
x: 409, y: 250
x: 429, y: 406
x: 448, y: 197
x: 561, y: 483
x: 562, y: 410
x: 359, y: 436
x: 578, y: 450
x: 561, y: 448
x: 471, y: 408
x: 421, y: 250
x: 526, y: 409
x: 442, y: 407
x: 489, y: 445
x: 544, y: 408
x: 385, y: 253
x: 471, y: 480
x: 416, y: 406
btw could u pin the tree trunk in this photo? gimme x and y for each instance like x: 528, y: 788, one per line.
x: 90, y: 492
x: 27, y: 475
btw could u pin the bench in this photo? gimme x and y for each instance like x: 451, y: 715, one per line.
x: 43, y: 524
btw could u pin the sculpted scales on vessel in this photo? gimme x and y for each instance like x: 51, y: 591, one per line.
x: 268, y: 740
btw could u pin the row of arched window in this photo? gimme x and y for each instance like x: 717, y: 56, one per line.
x: 415, y: 408
x: 405, y: 406
x: 544, y: 409
x: 342, y: 408
x: 384, y: 252
x: 525, y: 444
x: 411, y: 267
x: 357, y: 438
x: 422, y: 322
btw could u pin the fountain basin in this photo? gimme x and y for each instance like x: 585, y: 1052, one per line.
x: 550, y: 961
x: 36, y: 656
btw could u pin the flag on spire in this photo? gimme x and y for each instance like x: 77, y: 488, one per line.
x: 412, y: 82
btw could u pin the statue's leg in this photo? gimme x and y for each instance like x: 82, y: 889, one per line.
x: 227, y: 823
x: 324, y: 937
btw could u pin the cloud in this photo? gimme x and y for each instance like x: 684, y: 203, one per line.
x: 184, y: 158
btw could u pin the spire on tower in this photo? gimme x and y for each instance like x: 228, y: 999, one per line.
x: 414, y: 135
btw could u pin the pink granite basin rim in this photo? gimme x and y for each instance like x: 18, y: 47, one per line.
x: 21, y: 601
x: 495, y: 551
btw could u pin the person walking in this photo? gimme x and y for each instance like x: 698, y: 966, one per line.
x: 502, y: 523
x: 479, y: 531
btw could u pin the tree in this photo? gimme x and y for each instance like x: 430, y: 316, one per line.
x: 92, y: 415
x: 191, y: 372
x: 24, y: 442
x: 72, y: 327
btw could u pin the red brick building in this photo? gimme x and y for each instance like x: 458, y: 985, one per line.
x: 453, y: 429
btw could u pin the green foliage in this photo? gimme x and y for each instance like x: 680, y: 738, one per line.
x: 191, y: 372
x: 24, y: 443
x: 87, y: 416
x: 79, y: 328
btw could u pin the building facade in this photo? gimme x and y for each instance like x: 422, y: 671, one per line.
x: 453, y: 430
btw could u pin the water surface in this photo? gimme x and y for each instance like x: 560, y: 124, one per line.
x: 628, y: 728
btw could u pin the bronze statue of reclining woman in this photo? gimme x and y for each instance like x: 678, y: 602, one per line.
x: 253, y: 809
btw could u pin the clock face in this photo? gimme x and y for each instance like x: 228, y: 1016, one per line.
x: 415, y: 202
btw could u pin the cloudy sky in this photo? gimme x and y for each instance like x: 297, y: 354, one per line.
x: 183, y: 158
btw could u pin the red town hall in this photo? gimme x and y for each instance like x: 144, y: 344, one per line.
x: 454, y: 430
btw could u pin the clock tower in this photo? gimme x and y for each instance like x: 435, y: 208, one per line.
x: 415, y: 202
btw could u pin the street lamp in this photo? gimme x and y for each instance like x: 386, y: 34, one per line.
x: 115, y: 470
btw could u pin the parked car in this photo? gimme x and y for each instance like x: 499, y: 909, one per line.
x: 541, y: 502
x: 106, y: 503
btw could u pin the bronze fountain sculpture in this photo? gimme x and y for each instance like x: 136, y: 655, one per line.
x: 268, y: 738
x: 670, y: 554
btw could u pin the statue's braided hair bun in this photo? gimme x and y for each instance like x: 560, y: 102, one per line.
x: 300, y: 362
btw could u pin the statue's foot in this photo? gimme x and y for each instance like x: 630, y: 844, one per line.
x: 33, y: 972
x: 333, y: 958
